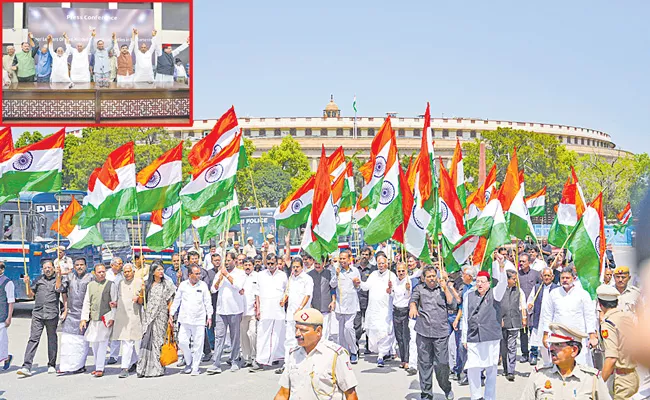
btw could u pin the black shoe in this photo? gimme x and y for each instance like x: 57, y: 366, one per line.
x: 80, y: 370
x: 410, y: 371
x: 111, y: 361
x: 206, y: 357
x: 510, y: 377
x: 464, y: 381
x: 275, y: 363
x: 523, y: 358
x: 133, y: 367
x: 279, y: 370
x: 533, y: 360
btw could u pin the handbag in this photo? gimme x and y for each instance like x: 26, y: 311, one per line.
x: 169, y: 350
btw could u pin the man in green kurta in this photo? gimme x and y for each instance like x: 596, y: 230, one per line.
x: 24, y: 62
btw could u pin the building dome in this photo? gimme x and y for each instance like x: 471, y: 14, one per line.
x: 331, y: 109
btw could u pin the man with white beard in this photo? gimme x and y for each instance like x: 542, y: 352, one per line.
x: 572, y: 306
x: 297, y: 297
x: 80, y: 65
x: 270, y: 313
x: 127, y: 329
x: 60, y: 72
x: 379, y: 315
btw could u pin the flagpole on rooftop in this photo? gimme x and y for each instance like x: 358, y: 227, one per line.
x: 354, y: 106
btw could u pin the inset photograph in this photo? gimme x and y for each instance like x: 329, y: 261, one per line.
x: 90, y: 64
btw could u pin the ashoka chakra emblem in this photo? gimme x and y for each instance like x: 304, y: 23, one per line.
x: 387, y: 193
x: 487, y: 196
x: 444, y: 211
x: 417, y: 222
x: 23, y: 162
x: 598, y: 245
x: 215, y: 150
x: 167, y: 212
x: 336, y: 214
x: 296, y: 206
x: 153, y: 181
x: 214, y: 173
x: 380, y: 167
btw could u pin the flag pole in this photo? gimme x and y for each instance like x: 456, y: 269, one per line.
x: 132, y: 241
x: 354, y: 104
x: 441, y: 259
x: 58, y: 224
x: 22, y: 237
x: 140, y: 240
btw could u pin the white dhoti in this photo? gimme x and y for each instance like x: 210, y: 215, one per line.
x: 333, y: 328
x: 4, y: 342
x: 98, y: 335
x: 190, y: 341
x: 270, y: 340
x: 482, y: 356
x: 413, y: 347
x: 73, y: 352
x: 381, y: 341
x: 327, y: 325
x: 162, y: 78
x: 114, y: 347
x: 129, y: 353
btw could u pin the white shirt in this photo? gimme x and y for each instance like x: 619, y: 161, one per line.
x: 143, y: 64
x: 60, y: 64
x: 229, y: 301
x: 207, y: 262
x: 270, y: 291
x: 10, y: 292
x: 347, y: 299
x: 193, y: 303
x: 538, y: 265
x: 250, y: 291
x: 180, y: 71
x: 388, y: 250
x: 299, y: 287
x: 249, y: 250
x: 110, y: 276
x: 508, y: 265
x: 574, y: 309
x: 401, y: 295
x: 80, y: 65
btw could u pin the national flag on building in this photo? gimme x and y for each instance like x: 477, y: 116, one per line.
x: 451, y: 214
x: 166, y: 226
x: 111, y: 189
x: 213, y: 183
x: 33, y: 168
x: 382, y: 193
x: 159, y: 183
x: 79, y: 238
x: 536, y: 203
x: 569, y: 211
x: 294, y: 210
x: 457, y: 174
x: 587, y: 244
x: 224, y: 131
x: 210, y: 226
x: 624, y: 219
x: 512, y: 201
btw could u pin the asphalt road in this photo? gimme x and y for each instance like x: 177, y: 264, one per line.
x: 374, y: 383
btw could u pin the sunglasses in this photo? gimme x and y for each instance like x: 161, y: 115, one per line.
x: 270, y: 263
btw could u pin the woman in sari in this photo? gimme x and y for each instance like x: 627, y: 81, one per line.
x: 158, y: 293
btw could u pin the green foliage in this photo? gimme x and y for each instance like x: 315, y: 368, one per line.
x: 622, y: 180
x: 272, y: 183
x: 356, y: 164
x: 28, y: 138
x: 289, y: 156
x: 543, y: 158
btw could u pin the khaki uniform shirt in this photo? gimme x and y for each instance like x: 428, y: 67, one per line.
x: 142, y: 273
x: 65, y: 263
x: 628, y: 300
x: 612, y: 340
x: 325, y: 373
x: 249, y: 250
x: 547, y: 383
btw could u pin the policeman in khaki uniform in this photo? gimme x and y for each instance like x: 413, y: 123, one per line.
x: 316, y: 368
x: 616, y: 365
x: 629, y: 295
x: 565, y: 379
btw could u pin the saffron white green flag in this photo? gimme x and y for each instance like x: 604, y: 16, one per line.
x: 536, y: 203
x: 569, y: 211
x: 158, y: 183
x: 294, y: 210
x: 219, y: 222
x: 166, y: 226
x: 513, y: 203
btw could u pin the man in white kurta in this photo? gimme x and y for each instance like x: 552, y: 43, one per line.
x: 97, y: 316
x: 248, y: 328
x: 194, y: 306
x: 270, y: 314
x: 572, y: 306
x: 379, y: 314
x: 483, y: 354
x: 347, y: 304
x: 127, y: 329
x: 115, y: 275
x: 143, y: 63
x: 80, y: 65
x: 60, y: 72
x: 298, y: 296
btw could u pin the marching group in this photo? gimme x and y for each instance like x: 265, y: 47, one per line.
x: 94, y: 60
x: 247, y: 303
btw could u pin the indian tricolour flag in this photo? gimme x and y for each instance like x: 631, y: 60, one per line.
x: 223, y: 132
x: 158, y: 183
x: 382, y: 193
x: 78, y: 237
x: 624, y: 219
x: 210, y: 226
x: 213, y: 184
x: 569, y: 211
x: 111, y: 189
x: 166, y: 226
x: 6, y: 148
x: 457, y: 173
x: 587, y: 244
x: 536, y: 203
x: 33, y: 168
x: 512, y: 201
x: 451, y: 223
x: 294, y: 210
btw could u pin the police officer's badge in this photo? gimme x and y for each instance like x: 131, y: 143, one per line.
x: 604, y: 333
x: 547, y: 385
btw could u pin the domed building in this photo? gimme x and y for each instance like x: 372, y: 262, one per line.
x: 331, y: 109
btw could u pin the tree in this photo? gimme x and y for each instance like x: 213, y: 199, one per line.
x: 543, y: 158
x: 289, y: 156
x: 28, y: 138
x: 274, y: 183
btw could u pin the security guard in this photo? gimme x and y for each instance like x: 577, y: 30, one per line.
x: 565, y: 379
x: 629, y: 295
x: 316, y: 368
x: 617, y: 365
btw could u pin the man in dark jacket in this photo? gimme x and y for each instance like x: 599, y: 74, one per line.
x: 513, y: 313
x: 534, y: 305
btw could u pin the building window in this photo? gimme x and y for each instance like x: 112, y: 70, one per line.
x: 323, y: 131
x: 247, y: 132
x: 575, y: 140
x: 582, y: 141
x: 459, y: 134
x: 292, y: 131
x: 401, y: 132
x: 307, y: 131
x: 472, y: 134
x: 445, y: 133
x: 339, y: 131
x: 277, y: 132
x: 351, y: 132
x: 416, y: 132
x: 176, y: 16
x: 262, y: 132
x: 371, y: 131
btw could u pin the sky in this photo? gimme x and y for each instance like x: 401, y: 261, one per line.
x: 577, y: 63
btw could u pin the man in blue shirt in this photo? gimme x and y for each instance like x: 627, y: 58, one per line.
x: 43, y: 63
x: 177, y: 272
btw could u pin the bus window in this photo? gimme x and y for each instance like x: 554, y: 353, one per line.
x: 41, y: 224
x: 115, y: 232
x: 11, y: 227
x: 251, y: 227
x: 296, y: 235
